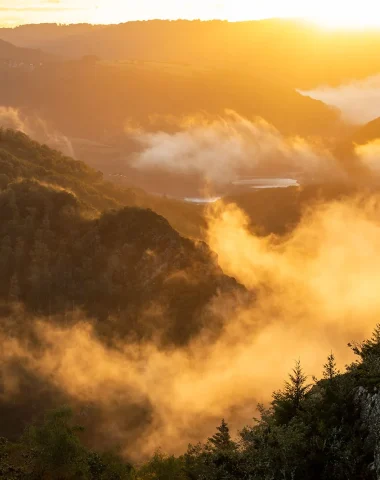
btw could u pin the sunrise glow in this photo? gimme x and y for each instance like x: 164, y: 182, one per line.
x: 332, y: 14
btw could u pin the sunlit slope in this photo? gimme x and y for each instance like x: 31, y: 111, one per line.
x: 98, y: 100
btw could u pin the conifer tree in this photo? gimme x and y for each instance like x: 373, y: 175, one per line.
x: 287, y: 402
x: 329, y: 368
x: 368, y: 347
x: 221, y: 440
x: 297, y: 388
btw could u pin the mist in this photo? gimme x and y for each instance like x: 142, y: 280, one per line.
x: 226, y: 147
x: 36, y: 128
x: 358, y: 100
x: 314, y: 291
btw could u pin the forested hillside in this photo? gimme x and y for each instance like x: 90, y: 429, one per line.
x: 66, y: 242
x: 22, y: 157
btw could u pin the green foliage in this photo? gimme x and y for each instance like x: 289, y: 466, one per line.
x: 53, y: 451
x: 272, y: 450
x: 219, y: 458
x: 205, y: 462
x: 56, y: 448
x: 108, y: 466
x: 162, y: 467
x: 14, y: 461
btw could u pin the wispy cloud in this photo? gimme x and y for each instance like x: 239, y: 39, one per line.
x: 359, y: 100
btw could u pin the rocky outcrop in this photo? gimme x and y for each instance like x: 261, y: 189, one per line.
x: 370, y: 413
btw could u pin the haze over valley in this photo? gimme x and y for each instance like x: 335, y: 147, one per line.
x: 189, y: 217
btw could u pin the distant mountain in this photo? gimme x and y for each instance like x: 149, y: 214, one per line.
x: 38, y: 35
x: 12, y: 53
x: 367, y: 133
x: 299, y: 54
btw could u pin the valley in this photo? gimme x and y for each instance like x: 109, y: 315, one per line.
x: 189, y: 216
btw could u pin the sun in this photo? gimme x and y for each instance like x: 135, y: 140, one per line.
x: 348, y: 14
x: 347, y: 20
x: 345, y: 14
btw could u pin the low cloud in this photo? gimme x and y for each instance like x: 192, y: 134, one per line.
x: 359, y: 100
x: 223, y: 149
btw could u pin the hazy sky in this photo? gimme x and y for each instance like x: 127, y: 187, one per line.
x: 329, y: 12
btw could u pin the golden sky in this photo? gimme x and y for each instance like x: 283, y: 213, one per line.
x: 331, y: 13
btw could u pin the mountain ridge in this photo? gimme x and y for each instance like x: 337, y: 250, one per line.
x: 240, y: 44
x: 8, y: 51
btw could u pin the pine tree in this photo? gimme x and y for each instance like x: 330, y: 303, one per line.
x: 287, y: 402
x: 221, y: 440
x: 329, y: 368
x: 297, y: 388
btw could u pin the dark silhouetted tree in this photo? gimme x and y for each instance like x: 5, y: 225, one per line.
x: 287, y: 402
x: 221, y: 440
x: 330, y: 370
